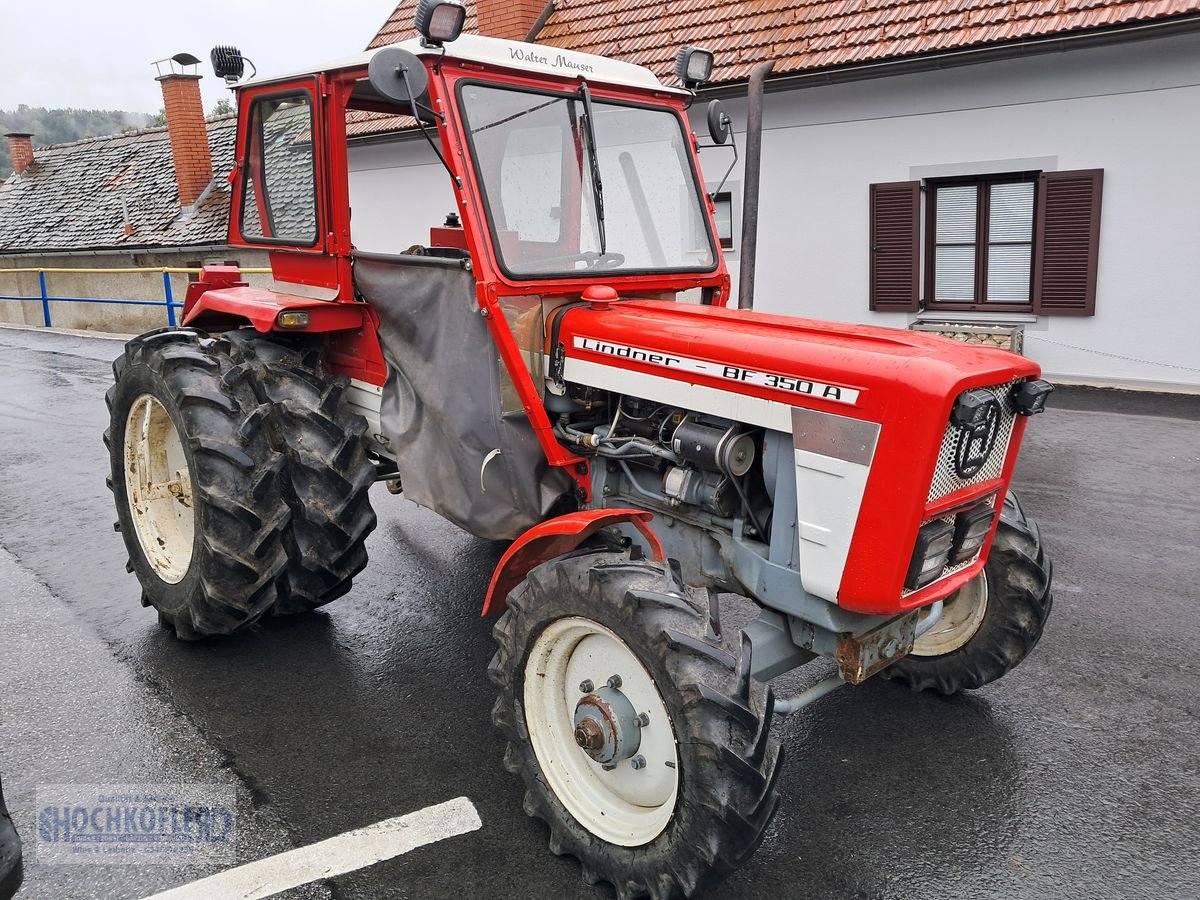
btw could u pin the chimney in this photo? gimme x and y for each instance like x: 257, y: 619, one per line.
x: 20, y: 151
x: 509, y: 19
x: 188, y: 133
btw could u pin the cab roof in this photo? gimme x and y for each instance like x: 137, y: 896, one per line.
x: 516, y: 55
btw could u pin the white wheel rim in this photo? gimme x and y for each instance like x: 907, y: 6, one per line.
x: 625, y: 806
x: 962, y: 614
x: 159, y: 486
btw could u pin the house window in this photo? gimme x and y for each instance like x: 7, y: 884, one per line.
x: 723, y: 214
x: 979, y: 243
x: 997, y: 243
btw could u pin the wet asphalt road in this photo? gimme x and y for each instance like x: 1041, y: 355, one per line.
x: 1076, y: 776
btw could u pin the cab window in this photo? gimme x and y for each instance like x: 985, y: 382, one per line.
x: 279, y: 193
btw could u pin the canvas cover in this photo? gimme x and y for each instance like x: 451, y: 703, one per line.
x: 441, y: 407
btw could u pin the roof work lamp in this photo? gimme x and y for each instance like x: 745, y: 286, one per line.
x: 440, y: 21
x: 693, y: 66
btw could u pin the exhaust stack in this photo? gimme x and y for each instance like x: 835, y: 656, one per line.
x: 754, y: 103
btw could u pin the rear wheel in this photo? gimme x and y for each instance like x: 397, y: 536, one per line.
x: 326, y: 475
x: 196, y: 484
x: 993, y: 622
x: 643, y: 742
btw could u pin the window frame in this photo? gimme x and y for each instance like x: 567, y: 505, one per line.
x: 309, y: 95
x: 725, y: 243
x: 982, y: 185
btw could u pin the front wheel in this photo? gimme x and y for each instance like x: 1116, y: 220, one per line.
x: 642, y: 740
x: 993, y: 622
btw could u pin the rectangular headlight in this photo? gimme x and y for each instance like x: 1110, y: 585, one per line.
x: 970, y: 529
x: 931, y: 554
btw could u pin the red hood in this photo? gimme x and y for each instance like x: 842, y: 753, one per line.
x: 905, y: 381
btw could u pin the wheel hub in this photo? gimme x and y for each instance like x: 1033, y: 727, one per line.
x: 606, y: 725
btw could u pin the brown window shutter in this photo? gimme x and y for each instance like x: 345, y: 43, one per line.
x: 1067, y: 243
x: 895, y: 243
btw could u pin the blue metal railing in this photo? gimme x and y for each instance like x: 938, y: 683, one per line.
x: 46, y: 298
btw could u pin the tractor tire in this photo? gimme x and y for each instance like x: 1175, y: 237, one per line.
x: 326, y: 477
x: 196, y: 484
x: 993, y: 622
x: 693, y: 803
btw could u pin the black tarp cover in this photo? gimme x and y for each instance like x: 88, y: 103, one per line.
x: 441, y: 409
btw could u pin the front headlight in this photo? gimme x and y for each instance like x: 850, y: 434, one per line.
x: 930, y: 556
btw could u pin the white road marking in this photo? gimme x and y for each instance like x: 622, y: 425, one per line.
x: 335, y: 856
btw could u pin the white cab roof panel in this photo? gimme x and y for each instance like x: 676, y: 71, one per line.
x: 514, y: 55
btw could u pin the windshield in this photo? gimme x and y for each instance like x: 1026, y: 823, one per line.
x: 550, y: 213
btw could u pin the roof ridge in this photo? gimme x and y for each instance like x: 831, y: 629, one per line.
x: 146, y: 132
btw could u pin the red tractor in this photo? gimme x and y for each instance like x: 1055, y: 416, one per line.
x: 560, y: 367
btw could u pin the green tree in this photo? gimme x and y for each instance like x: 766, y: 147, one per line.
x: 61, y: 126
x: 221, y: 109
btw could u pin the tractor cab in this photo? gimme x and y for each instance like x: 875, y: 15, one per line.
x: 563, y: 170
x: 554, y: 178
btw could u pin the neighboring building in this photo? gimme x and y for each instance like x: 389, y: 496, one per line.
x: 1021, y: 165
x: 151, y: 198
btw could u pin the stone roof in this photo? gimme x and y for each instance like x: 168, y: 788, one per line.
x: 79, y: 196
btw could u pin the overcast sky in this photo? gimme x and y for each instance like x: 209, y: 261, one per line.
x: 98, y: 53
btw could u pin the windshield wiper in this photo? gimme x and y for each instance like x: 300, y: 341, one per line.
x: 597, y: 187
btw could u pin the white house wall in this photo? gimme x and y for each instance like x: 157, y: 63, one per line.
x: 398, y: 190
x: 1129, y: 110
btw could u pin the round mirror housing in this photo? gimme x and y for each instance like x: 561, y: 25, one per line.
x: 398, y: 75
x: 719, y: 124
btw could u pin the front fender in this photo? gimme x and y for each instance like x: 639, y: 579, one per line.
x: 554, y: 538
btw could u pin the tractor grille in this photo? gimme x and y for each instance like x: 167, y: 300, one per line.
x: 945, y: 479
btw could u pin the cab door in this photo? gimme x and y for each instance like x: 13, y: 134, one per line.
x: 280, y: 197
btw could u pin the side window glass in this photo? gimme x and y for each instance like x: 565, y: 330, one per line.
x: 279, y: 199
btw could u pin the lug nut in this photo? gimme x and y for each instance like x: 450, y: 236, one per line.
x: 586, y: 686
x: 589, y: 736
x: 643, y: 719
x: 638, y: 762
x: 614, y: 682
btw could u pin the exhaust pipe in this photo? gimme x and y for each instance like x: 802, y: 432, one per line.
x: 754, y: 103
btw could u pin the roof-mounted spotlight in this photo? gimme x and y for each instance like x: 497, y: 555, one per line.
x: 693, y: 66
x: 439, y: 21
x: 228, y: 63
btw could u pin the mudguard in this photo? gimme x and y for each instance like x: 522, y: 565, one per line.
x: 554, y: 538
x: 260, y: 307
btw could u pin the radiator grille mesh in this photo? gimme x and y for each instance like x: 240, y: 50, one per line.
x: 945, y: 479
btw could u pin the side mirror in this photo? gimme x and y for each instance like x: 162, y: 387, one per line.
x: 720, y: 126
x: 399, y: 76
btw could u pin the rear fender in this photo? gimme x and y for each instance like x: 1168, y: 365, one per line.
x: 554, y: 538
x: 261, y: 307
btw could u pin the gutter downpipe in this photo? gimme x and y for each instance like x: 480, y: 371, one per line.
x: 540, y: 23
x: 750, y: 192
